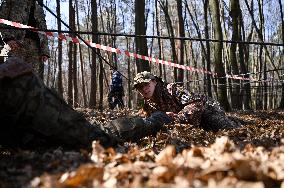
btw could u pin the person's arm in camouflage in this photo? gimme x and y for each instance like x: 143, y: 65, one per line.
x: 193, y: 105
x: 41, y: 24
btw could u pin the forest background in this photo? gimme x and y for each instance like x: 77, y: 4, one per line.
x: 237, y: 37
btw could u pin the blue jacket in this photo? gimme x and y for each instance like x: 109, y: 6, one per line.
x: 116, y: 82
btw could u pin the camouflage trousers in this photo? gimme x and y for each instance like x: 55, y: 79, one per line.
x: 29, y: 52
x: 214, y: 118
x: 32, y: 114
x: 133, y: 129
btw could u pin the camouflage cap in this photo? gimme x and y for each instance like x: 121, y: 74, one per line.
x: 143, y: 77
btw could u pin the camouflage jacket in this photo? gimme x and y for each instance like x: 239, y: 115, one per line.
x: 19, y: 11
x: 172, y: 98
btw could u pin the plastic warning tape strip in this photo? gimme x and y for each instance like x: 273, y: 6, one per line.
x: 68, y: 38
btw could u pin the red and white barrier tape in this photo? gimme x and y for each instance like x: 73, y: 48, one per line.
x: 68, y: 38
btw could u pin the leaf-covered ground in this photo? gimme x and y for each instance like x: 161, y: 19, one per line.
x: 179, y: 156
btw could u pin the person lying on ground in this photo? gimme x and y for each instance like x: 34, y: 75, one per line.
x: 166, y: 103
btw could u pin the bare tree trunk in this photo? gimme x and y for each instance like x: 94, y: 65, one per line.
x: 265, y: 96
x: 188, y: 58
x: 187, y: 86
x: 101, y: 85
x: 89, y: 65
x: 75, y: 77
x: 282, y: 21
x: 152, y: 66
x: 70, y: 55
x: 141, y: 42
x: 52, y: 56
x: 194, y: 60
x: 94, y: 20
x: 54, y: 81
x: 73, y: 55
x: 48, y: 71
x: 226, y: 50
x: 197, y: 28
x: 101, y: 66
x: 107, y: 28
x: 129, y: 76
x: 81, y: 61
x: 180, y: 73
x: 89, y: 17
x: 164, y: 6
x: 158, y: 34
x: 220, y: 70
x: 114, y: 26
x: 208, y: 54
x: 260, y: 36
x: 260, y: 98
x: 244, y: 57
x: 235, y: 13
x: 59, y: 77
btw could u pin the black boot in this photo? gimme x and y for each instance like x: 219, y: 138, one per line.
x: 133, y: 129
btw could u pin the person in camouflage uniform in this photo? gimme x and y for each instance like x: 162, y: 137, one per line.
x: 166, y: 103
x: 179, y: 104
x: 33, y: 115
x: 32, y: 47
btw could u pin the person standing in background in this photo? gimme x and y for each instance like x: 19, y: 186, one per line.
x: 30, y: 46
x: 116, y: 93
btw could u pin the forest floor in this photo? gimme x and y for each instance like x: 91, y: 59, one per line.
x: 179, y: 156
